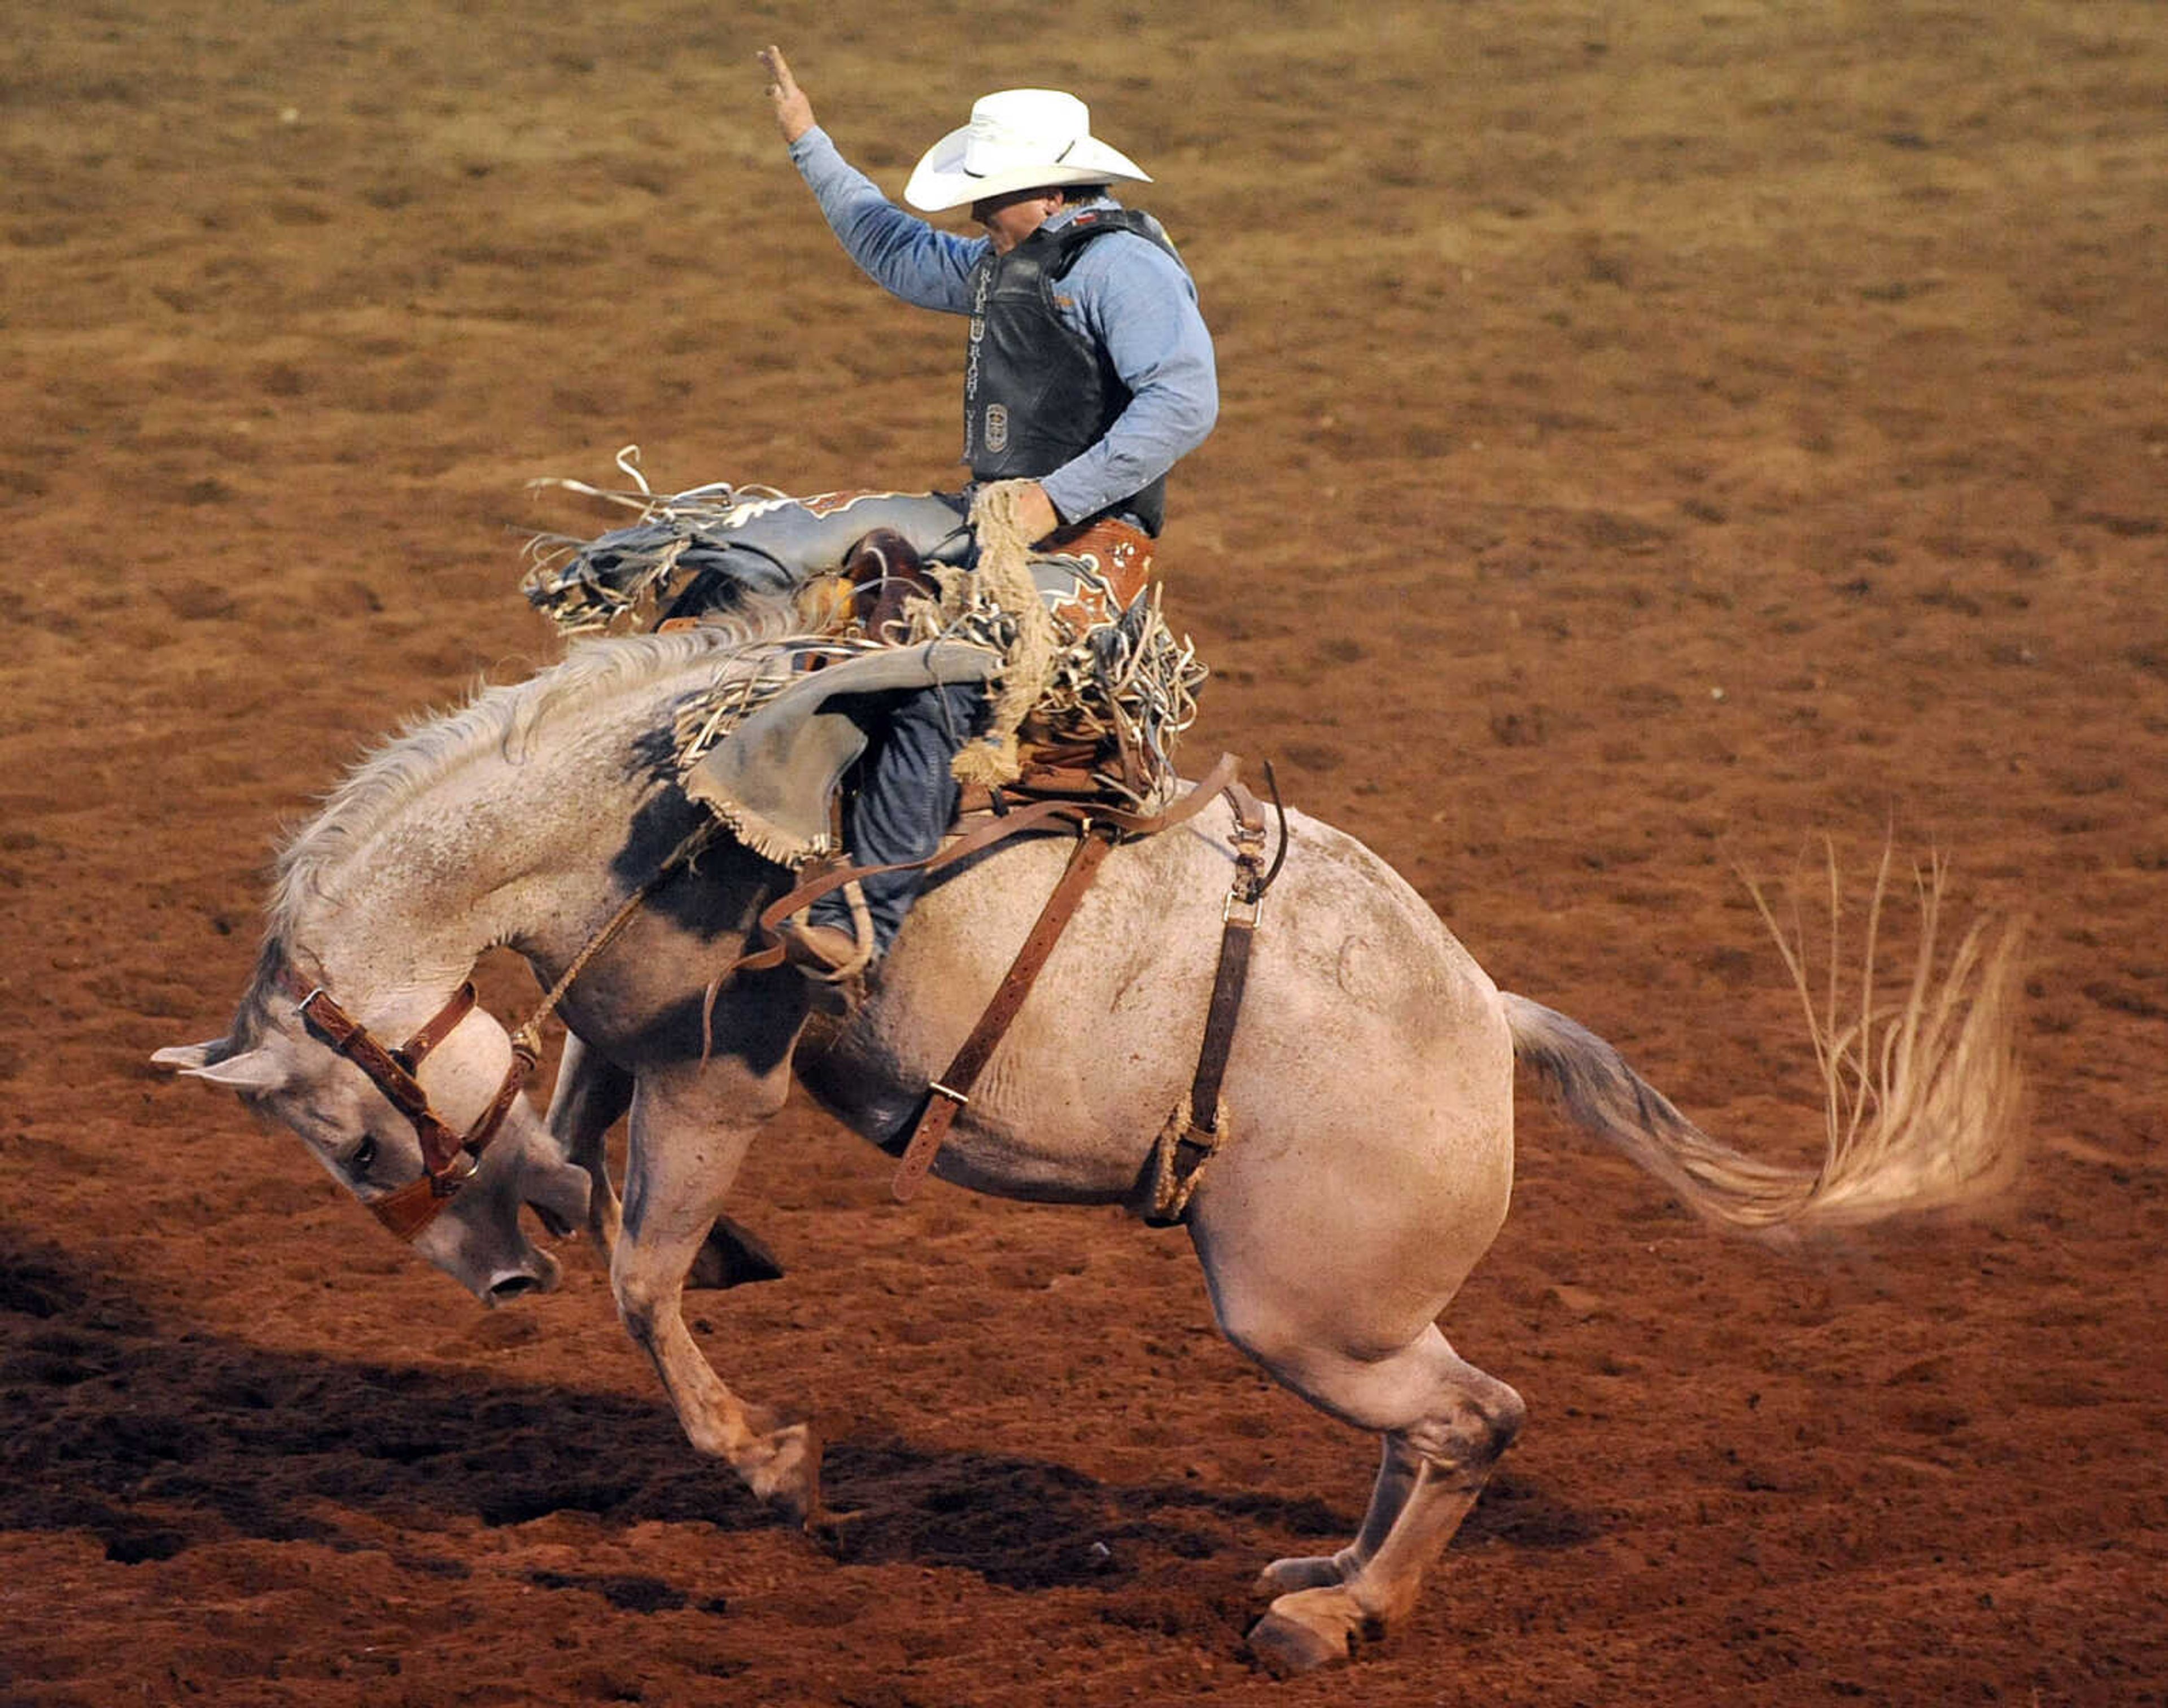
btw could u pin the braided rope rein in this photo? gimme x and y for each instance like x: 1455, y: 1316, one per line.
x: 1003, y: 576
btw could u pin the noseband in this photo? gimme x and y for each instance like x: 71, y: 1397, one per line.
x: 448, y: 1159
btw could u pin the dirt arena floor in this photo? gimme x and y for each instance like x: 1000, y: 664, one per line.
x: 1656, y: 439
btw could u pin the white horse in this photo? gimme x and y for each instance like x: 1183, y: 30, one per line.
x: 1370, y: 1082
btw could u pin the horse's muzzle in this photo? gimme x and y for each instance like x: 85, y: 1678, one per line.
x: 539, y: 1275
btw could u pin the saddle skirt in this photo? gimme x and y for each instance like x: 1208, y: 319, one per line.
x: 766, y: 754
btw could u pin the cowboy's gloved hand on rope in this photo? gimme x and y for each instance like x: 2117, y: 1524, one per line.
x: 793, y: 113
x: 1035, y: 511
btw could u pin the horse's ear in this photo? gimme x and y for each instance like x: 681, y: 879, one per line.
x: 189, y: 1059
x: 255, y: 1072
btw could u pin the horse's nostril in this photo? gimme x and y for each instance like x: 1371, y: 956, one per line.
x: 513, y: 1285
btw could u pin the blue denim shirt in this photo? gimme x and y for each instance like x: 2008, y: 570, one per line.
x: 1135, y: 302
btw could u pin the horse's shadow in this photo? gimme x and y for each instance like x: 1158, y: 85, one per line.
x: 156, y: 1439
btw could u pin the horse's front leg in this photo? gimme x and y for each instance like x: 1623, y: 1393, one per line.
x: 690, y: 1132
x: 590, y: 1096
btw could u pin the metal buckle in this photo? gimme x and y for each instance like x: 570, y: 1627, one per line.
x: 960, y: 1098
x: 447, y: 1183
x: 1239, y: 910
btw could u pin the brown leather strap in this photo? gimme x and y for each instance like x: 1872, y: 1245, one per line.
x: 952, y: 1091
x: 439, y: 1026
x: 448, y: 1159
x: 322, y: 1014
x: 1238, y: 930
x: 1182, y: 1150
x: 1227, y: 985
x: 414, y: 1206
x: 1039, y: 815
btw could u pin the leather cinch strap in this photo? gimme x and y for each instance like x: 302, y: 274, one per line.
x: 950, y: 1092
x: 1239, y: 930
x: 1198, y: 1128
x: 1181, y: 1154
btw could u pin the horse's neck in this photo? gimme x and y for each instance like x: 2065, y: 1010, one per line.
x: 501, y: 847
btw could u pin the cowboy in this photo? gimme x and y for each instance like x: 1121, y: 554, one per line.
x: 1089, y: 375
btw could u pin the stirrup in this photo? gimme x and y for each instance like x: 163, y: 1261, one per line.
x: 818, y: 967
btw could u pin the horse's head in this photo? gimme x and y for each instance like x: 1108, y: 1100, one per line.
x: 285, y: 1073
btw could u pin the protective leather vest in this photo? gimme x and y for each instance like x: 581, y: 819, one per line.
x: 1035, y: 393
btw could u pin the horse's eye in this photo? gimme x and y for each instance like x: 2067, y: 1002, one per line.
x: 364, y: 1154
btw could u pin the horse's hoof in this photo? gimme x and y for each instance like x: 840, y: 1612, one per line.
x: 788, y: 1474
x: 1314, y: 1572
x: 1288, y: 1646
x: 830, y: 1530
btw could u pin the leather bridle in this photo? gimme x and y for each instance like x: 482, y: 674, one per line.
x: 449, y: 1158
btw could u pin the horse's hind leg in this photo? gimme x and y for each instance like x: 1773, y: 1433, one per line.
x: 1445, y: 1425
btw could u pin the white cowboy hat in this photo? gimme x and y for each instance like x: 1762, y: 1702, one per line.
x: 1017, y: 139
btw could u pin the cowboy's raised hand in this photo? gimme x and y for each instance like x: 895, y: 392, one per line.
x: 793, y: 113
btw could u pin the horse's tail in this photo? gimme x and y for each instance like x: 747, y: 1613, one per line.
x: 1924, y: 1111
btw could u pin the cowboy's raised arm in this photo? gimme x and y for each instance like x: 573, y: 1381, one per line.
x: 899, y: 251
x: 793, y: 113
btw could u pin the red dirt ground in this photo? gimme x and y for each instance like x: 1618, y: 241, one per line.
x: 1655, y: 437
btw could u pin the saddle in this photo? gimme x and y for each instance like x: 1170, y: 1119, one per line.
x: 884, y: 572
x: 1112, y: 562
x: 1086, y: 764
x: 767, y: 751
x: 1089, y: 575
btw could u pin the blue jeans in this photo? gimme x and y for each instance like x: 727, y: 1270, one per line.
x: 902, y: 797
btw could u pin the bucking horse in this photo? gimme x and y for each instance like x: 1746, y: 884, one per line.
x: 1369, y: 1082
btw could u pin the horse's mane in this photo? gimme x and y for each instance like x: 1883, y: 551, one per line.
x: 431, y: 745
